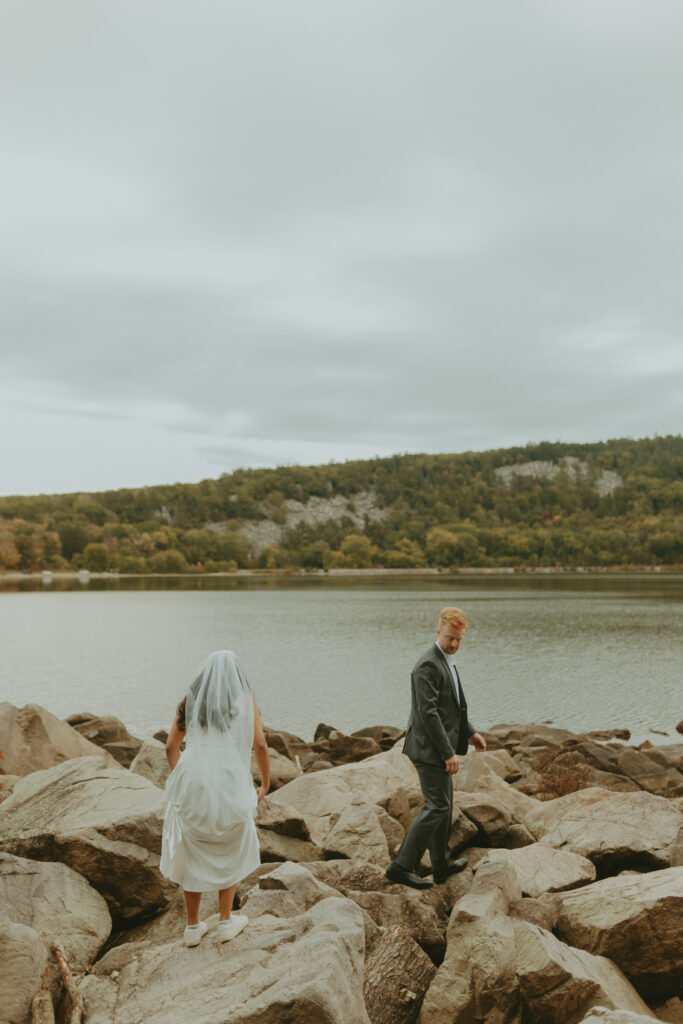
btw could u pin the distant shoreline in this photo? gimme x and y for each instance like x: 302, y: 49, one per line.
x: 72, y: 574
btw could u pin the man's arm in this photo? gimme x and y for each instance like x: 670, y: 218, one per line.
x: 426, y: 683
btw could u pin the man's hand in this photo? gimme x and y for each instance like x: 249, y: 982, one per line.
x: 452, y: 765
x: 478, y: 741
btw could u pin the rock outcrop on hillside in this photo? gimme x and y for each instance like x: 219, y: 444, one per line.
x: 570, y: 909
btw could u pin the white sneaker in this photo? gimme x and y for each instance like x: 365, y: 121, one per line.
x: 194, y: 933
x: 231, y: 927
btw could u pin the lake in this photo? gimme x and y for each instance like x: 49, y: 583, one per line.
x: 583, y: 652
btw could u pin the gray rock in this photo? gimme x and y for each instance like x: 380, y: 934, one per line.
x: 540, y: 868
x: 281, y: 818
x: 303, y: 968
x: 649, y: 773
x: 477, y: 979
x: 277, y: 847
x: 358, y: 833
x: 490, y: 816
x: 559, y: 984
x: 109, y: 733
x: 104, y: 822
x: 150, y: 762
x: 58, y: 904
x: 322, y: 796
x: 23, y: 955
x: 32, y: 739
x: 636, y: 921
x: 614, y: 830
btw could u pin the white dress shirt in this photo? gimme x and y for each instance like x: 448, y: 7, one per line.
x: 450, y: 658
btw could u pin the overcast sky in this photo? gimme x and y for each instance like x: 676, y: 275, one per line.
x: 268, y: 233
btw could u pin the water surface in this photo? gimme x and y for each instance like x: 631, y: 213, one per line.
x: 582, y: 652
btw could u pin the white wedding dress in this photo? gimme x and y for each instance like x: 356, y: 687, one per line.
x: 209, y: 837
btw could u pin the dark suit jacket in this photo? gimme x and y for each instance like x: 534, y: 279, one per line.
x: 438, y: 726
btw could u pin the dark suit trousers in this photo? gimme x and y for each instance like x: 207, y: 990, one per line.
x: 431, y: 828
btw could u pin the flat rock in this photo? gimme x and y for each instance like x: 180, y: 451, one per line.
x: 104, y: 822
x: 150, y: 762
x: 58, y: 904
x: 277, y: 847
x: 540, y: 868
x: 358, y: 833
x: 560, y: 984
x: 287, y: 891
x: 23, y: 955
x: 614, y: 830
x: 636, y: 921
x: 281, y: 818
x: 322, y: 796
x: 32, y: 739
x: 303, y: 968
x: 168, y: 926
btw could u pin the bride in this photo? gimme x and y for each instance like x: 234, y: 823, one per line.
x: 209, y: 837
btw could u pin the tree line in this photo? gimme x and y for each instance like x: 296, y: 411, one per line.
x: 444, y: 511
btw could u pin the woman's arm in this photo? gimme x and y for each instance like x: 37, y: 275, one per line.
x: 261, y: 754
x: 173, y: 743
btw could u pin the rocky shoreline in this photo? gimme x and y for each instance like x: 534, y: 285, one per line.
x: 570, y: 909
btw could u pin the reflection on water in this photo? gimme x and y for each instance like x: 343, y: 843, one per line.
x: 584, y: 652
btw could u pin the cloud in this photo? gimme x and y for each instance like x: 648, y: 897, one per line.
x: 287, y: 233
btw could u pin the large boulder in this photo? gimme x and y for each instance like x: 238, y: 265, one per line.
x: 278, y: 817
x: 287, y: 891
x: 616, y: 831
x: 150, y: 762
x: 303, y: 968
x: 32, y: 739
x: 23, y: 955
x: 650, y: 773
x: 358, y: 833
x: 636, y: 921
x: 490, y: 816
x: 560, y: 984
x: 322, y: 796
x: 109, y: 733
x: 58, y: 904
x: 477, y: 980
x: 104, y: 822
x: 541, y: 868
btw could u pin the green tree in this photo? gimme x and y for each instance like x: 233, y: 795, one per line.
x: 357, y: 551
x: 96, y: 557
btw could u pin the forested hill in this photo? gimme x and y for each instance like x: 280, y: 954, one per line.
x: 612, y: 503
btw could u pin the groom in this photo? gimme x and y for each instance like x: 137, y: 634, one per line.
x: 438, y: 731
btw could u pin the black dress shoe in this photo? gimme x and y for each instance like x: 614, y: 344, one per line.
x: 396, y: 874
x: 451, y: 868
